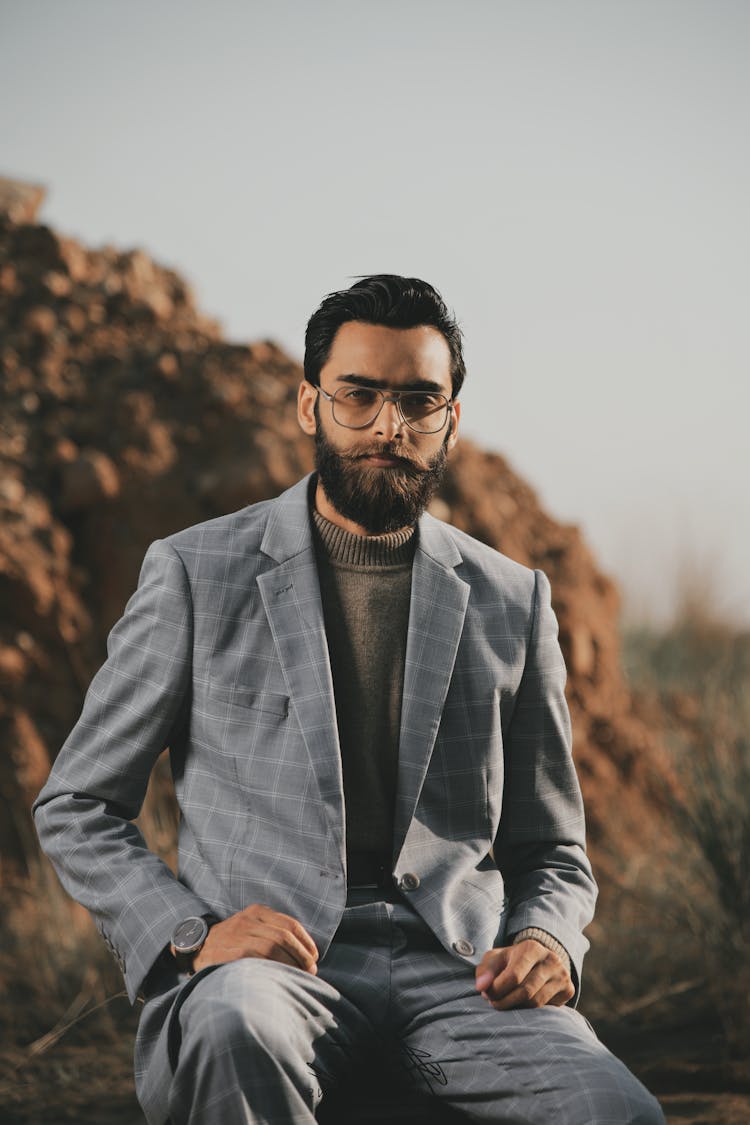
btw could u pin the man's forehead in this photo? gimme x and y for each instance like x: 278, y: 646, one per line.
x: 380, y: 353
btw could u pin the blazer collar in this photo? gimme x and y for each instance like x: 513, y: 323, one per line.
x: 288, y: 531
x: 437, y: 540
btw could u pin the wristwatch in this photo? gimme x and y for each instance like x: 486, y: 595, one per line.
x: 188, y: 938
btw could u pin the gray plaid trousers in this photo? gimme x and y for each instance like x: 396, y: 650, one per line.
x: 258, y: 1041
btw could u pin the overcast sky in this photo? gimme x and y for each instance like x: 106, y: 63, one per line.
x: 573, y: 175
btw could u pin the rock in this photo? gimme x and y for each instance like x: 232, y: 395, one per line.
x: 20, y: 201
x: 40, y: 321
x: 13, y: 666
x: 87, y: 480
x: 127, y: 417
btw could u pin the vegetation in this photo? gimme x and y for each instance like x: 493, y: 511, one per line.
x: 699, y: 671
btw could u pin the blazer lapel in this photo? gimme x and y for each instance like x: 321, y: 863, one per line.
x: 291, y: 597
x: 436, y: 618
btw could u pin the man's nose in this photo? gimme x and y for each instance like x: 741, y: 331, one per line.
x: 389, y: 421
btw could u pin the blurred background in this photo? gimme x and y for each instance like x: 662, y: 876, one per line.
x: 573, y: 175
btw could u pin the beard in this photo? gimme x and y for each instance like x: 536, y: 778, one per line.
x: 378, y: 499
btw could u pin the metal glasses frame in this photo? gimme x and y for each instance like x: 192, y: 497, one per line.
x: 393, y: 396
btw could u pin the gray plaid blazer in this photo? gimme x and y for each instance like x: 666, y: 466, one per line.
x: 221, y: 655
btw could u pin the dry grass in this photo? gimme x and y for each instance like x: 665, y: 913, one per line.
x: 700, y: 672
x: 67, y: 1027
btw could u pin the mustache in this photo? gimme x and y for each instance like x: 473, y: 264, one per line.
x: 409, y: 461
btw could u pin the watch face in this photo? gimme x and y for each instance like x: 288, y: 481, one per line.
x: 190, y: 933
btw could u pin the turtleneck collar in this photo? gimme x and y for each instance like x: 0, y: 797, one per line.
x: 391, y: 549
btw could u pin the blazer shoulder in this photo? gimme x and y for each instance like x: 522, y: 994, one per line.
x: 244, y: 528
x: 478, y: 557
x: 280, y: 526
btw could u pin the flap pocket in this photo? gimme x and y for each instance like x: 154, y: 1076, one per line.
x: 243, y: 696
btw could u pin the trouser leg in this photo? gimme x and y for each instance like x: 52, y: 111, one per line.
x: 258, y: 1041
x: 255, y: 1041
x: 528, y: 1067
x: 524, y: 1067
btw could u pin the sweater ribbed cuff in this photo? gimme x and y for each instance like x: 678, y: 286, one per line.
x: 546, y: 940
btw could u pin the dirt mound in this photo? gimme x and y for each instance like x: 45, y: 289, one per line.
x: 125, y: 416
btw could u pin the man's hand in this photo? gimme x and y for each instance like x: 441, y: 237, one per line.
x: 527, y: 975
x: 258, y: 931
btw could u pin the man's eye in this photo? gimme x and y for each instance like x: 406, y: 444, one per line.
x: 422, y: 401
x: 360, y: 396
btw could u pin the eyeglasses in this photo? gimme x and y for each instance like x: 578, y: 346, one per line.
x: 426, y: 412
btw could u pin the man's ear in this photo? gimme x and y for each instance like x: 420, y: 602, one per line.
x: 306, y: 398
x: 455, y: 415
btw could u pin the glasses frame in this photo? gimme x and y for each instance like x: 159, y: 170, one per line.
x: 392, y: 396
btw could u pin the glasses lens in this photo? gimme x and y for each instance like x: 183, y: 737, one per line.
x: 355, y: 406
x: 424, y: 411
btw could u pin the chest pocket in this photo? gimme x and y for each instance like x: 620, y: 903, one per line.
x: 250, y: 698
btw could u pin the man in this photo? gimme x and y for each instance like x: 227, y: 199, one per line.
x: 381, y: 835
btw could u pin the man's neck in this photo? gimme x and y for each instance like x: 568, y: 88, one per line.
x: 324, y: 506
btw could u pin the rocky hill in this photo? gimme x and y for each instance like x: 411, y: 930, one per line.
x: 126, y: 416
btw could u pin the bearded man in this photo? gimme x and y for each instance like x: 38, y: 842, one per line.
x: 381, y: 837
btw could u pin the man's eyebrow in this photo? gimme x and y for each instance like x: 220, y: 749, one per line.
x: 382, y: 384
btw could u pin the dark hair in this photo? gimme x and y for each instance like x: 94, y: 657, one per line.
x: 384, y: 298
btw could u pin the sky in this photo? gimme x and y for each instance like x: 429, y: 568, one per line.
x: 572, y: 175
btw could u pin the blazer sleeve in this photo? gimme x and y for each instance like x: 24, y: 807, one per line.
x: 133, y: 709
x: 540, y: 846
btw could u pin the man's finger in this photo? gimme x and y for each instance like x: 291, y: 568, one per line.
x: 489, y: 967
x: 258, y: 931
x: 276, y: 945
x: 523, y: 995
x: 276, y: 939
x: 560, y: 999
x: 514, y: 973
x: 291, y: 925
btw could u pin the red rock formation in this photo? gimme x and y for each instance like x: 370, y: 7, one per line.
x: 125, y: 416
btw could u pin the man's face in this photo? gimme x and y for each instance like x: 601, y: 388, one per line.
x: 379, y: 478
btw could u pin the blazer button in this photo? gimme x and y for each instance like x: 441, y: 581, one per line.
x: 408, y: 881
x: 464, y: 947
